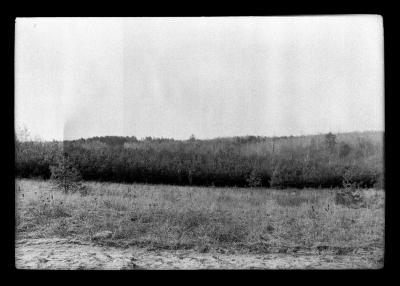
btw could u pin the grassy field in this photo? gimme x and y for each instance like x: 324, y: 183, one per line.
x: 200, y: 218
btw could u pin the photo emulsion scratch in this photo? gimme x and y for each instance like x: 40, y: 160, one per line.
x: 199, y: 143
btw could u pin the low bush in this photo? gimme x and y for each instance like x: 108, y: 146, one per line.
x: 350, y: 195
x: 254, y: 180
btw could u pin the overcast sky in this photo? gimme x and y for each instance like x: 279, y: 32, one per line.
x: 211, y: 77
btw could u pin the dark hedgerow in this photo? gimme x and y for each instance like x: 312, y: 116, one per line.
x: 299, y: 162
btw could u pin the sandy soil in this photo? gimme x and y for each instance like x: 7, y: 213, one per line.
x: 74, y: 254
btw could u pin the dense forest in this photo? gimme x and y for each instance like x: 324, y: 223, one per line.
x: 325, y: 160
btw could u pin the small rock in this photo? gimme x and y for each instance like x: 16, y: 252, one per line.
x: 102, y: 235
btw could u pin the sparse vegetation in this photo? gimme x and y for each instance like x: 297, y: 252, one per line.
x: 171, y: 217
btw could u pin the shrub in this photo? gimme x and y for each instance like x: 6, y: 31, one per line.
x: 254, y: 180
x: 362, y: 175
x: 349, y: 196
x: 287, y: 173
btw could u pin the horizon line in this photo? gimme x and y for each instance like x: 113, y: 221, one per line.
x: 196, y: 138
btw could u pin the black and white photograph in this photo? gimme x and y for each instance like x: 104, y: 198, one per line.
x: 188, y: 143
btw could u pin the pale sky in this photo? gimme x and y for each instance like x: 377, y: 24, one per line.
x: 207, y: 76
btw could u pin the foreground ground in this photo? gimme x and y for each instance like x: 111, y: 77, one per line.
x: 73, y: 254
x: 168, y: 227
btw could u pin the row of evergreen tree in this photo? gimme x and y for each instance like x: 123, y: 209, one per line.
x: 308, y: 161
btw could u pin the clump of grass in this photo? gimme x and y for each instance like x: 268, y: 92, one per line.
x: 227, y: 233
x: 192, y: 220
x: 61, y: 229
x: 292, y: 199
x: 49, y: 206
x: 373, y: 200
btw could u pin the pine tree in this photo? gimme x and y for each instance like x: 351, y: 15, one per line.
x: 330, y: 141
x: 65, y: 175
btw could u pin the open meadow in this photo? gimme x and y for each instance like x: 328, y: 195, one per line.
x: 252, y: 226
x: 200, y: 142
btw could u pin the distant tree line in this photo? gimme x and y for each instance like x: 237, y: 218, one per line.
x: 279, y: 162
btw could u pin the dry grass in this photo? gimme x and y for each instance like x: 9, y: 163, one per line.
x: 202, y: 218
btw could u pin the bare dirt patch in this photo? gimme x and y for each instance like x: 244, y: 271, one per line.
x: 74, y: 254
